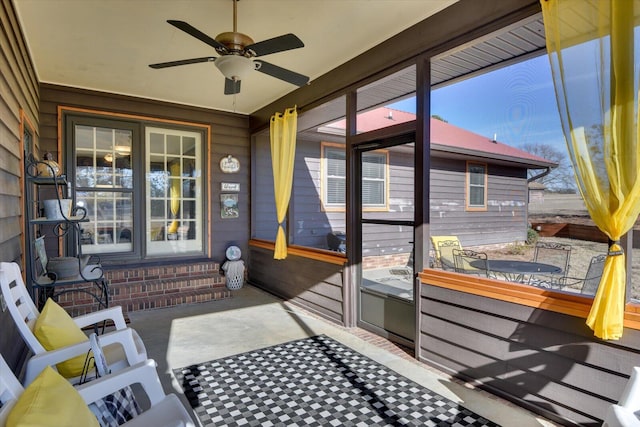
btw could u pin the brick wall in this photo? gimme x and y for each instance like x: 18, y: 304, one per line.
x: 385, y: 261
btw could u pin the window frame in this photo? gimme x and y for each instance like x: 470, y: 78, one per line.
x: 139, y: 252
x: 469, y: 186
x: 153, y: 248
x: 324, y: 180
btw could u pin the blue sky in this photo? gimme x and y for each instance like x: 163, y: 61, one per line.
x: 516, y: 103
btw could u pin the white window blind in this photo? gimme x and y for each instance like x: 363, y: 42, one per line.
x: 373, y: 178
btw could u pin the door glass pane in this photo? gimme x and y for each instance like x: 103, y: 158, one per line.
x: 386, y: 290
x: 174, y: 205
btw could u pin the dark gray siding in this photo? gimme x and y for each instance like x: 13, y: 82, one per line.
x: 541, y: 359
x: 229, y: 136
x: 504, y: 221
x: 314, y: 285
x: 19, y: 91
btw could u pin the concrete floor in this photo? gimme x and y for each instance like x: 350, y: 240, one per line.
x: 180, y: 336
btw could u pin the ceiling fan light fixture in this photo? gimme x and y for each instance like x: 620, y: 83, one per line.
x: 235, y: 67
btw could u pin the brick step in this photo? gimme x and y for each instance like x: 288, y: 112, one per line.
x: 153, y: 301
x: 173, y: 299
x: 164, y: 285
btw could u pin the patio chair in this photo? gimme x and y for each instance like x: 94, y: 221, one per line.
x: 443, y: 247
x: 591, y: 280
x: 123, y: 347
x: 48, y: 402
x: 625, y: 412
x: 471, y: 262
x: 552, y: 253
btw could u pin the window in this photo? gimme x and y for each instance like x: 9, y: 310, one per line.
x: 374, y: 178
x: 336, y: 176
x: 141, y: 185
x: 476, y: 186
x: 104, y: 187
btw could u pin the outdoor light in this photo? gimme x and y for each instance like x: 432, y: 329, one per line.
x: 235, y: 67
x: 122, y: 149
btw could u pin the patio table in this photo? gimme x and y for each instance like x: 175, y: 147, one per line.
x: 515, y: 270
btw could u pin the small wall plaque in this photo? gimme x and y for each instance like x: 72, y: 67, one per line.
x: 229, y: 164
x: 229, y: 206
x: 230, y: 186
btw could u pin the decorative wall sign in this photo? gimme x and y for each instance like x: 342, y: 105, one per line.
x: 230, y: 186
x: 229, y: 206
x: 229, y: 164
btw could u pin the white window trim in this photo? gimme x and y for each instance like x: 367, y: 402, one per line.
x: 469, y: 185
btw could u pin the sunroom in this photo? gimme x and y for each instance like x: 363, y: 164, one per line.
x: 394, y: 147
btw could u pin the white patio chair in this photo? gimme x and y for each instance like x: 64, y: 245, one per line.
x: 625, y: 412
x: 164, y: 410
x: 122, y: 347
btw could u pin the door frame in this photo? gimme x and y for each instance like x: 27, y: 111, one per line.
x: 369, y: 145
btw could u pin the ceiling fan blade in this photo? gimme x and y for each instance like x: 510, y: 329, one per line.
x: 281, y: 73
x: 182, y: 62
x: 231, y: 87
x: 276, y: 44
x: 192, y: 31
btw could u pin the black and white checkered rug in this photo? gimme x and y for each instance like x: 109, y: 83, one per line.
x: 313, y: 382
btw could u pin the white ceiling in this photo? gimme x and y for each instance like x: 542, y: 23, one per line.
x: 107, y: 45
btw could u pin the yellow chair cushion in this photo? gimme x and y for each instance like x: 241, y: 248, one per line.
x: 50, y: 400
x: 55, y: 329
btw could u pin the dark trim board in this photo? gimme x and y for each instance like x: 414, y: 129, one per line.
x: 314, y: 285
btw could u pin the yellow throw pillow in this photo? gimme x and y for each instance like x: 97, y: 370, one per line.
x: 55, y: 329
x: 50, y: 401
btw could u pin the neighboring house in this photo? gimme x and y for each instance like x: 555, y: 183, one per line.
x: 536, y: 193
x: 478, y: 186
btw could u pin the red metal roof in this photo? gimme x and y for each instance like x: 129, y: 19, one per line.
x: 445, y: 136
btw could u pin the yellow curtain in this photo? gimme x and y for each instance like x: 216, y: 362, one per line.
x: 174, y: 192
x: 594, y: 53
x: 283, y: 130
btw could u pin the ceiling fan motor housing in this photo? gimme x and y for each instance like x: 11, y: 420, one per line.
x: 235, y: 42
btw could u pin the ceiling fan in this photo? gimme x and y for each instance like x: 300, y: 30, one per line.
x: 237, y: 51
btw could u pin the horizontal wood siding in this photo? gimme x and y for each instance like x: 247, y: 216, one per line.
x: 312, y: 284
x: 547, y: 361
x: 18, y: 92
x: 229, y: 136
x: 504, y: 221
